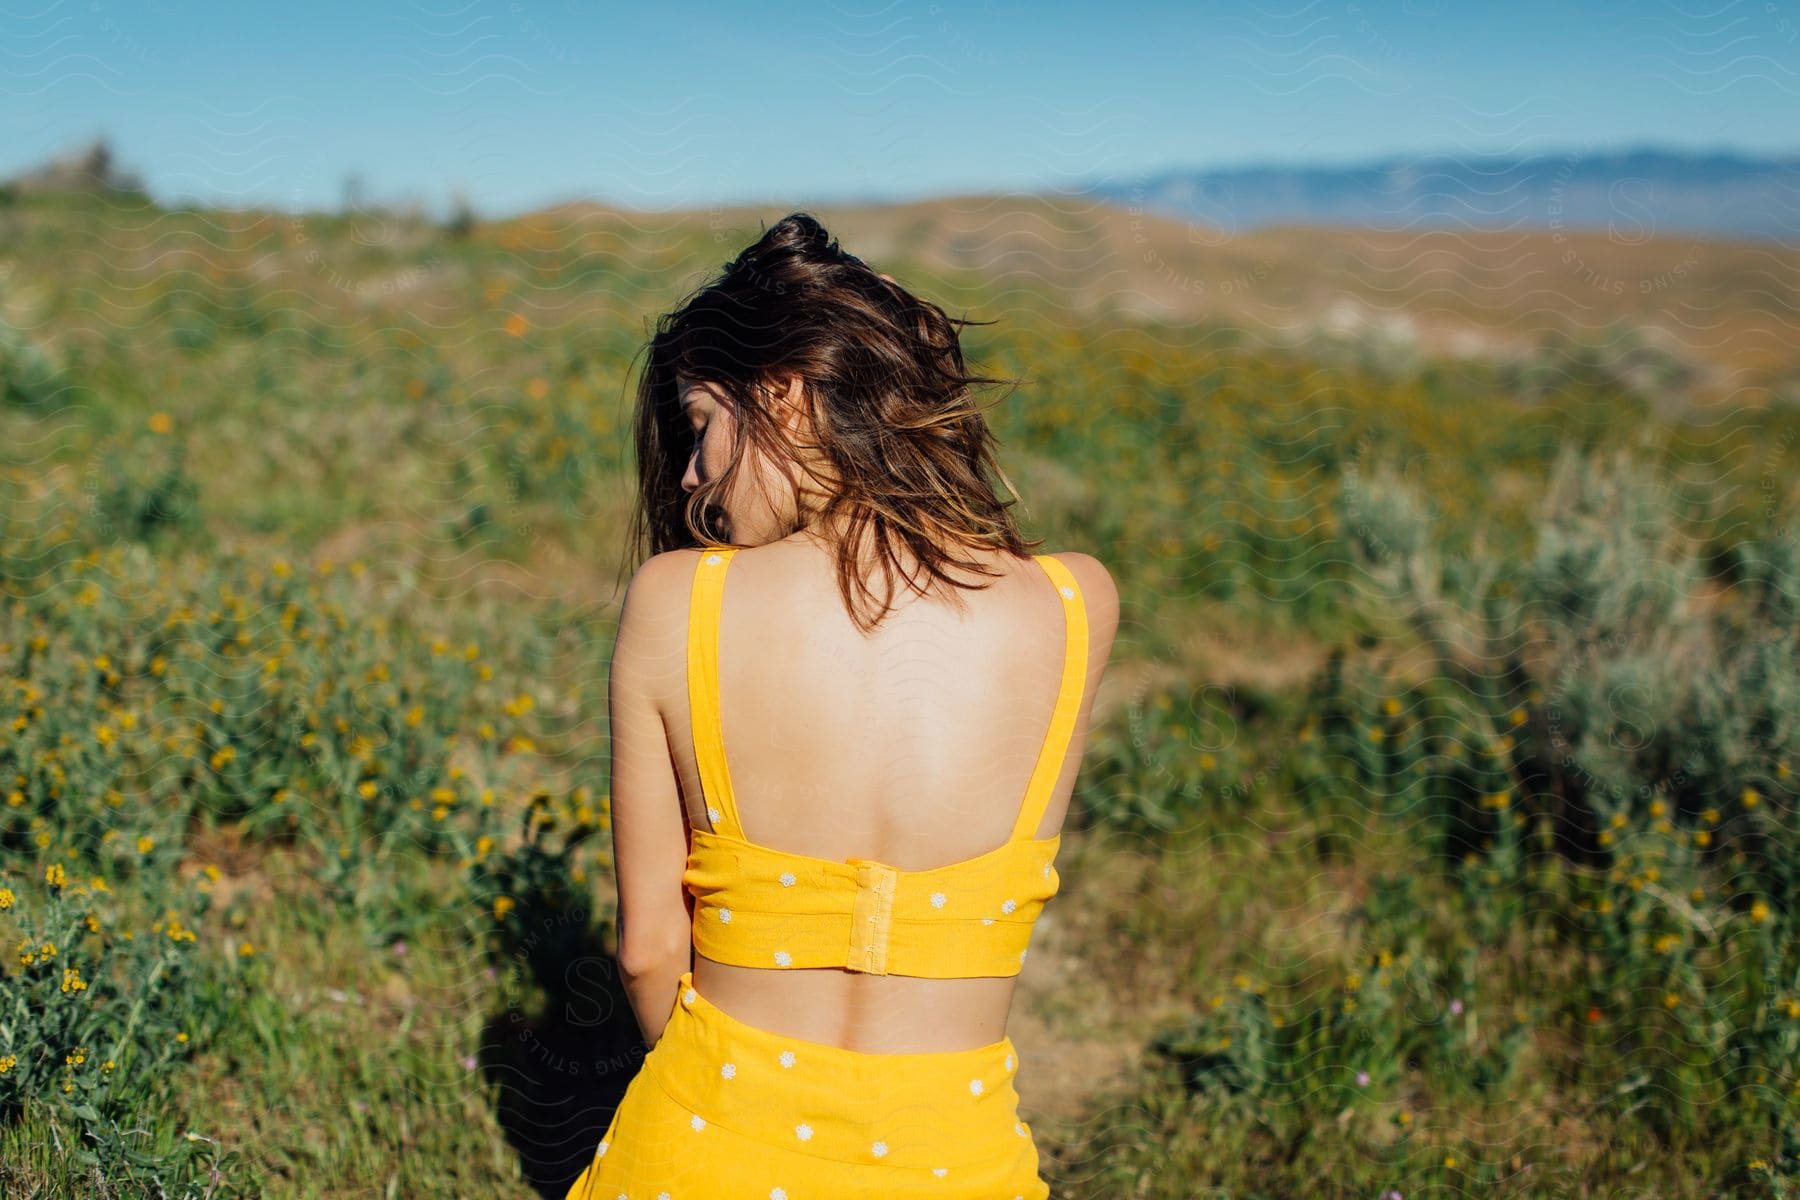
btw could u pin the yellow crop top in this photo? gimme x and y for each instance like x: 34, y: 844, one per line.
x: 756, y: 906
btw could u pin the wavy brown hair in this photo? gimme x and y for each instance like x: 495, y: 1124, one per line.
x: 906, y: 450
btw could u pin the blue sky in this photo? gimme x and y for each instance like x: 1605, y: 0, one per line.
x: 521, y: 103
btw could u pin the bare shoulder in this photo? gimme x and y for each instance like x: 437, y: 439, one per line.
x: 672, y: 570
x: 653, y: 616
x: 1099, y: 595
x: 659, y: 579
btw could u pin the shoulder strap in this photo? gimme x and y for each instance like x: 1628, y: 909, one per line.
x: 705, y: 601
x: 1068, y: 700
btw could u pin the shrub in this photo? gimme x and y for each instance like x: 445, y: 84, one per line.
x: 99, y: 1004
x: 29, y: 378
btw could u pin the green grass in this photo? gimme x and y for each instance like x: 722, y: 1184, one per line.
x: 1421, y: 697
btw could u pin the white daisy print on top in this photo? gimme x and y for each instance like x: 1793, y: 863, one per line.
x: 938, y: 899
x: 787, y: 879
x: 878, y: 1149
x: 783, y: 958
x: 725, y: 916
x: 1068, y: 593
x: 778, y: 1194
x: 601, y: 1152
x: 697, y: 1121
x: 728, y: 1070
x: 940, y: 1172
x: 714, y: 815
x: 1009, y: 1062
x: 803, y: 1132
x: 1009, y: 906
x: 787, y: 1058
x: 714, y: 560
x: 974, y: 1087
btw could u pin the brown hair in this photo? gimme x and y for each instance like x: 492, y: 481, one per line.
x: 906, y: 446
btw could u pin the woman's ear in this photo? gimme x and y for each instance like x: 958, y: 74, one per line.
x: 792, y: 404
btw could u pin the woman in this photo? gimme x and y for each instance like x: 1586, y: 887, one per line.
x: 820, y: 931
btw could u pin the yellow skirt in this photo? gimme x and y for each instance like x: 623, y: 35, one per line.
x: 722, y: 1110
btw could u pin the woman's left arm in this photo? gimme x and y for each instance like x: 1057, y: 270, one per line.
x: 649, y: 829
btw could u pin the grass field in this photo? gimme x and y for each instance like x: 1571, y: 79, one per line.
x: 1437, y: 835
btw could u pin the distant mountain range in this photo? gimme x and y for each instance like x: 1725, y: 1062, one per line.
x: 1628, y: 193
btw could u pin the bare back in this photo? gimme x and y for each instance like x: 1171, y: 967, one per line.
x: 912, y: 746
